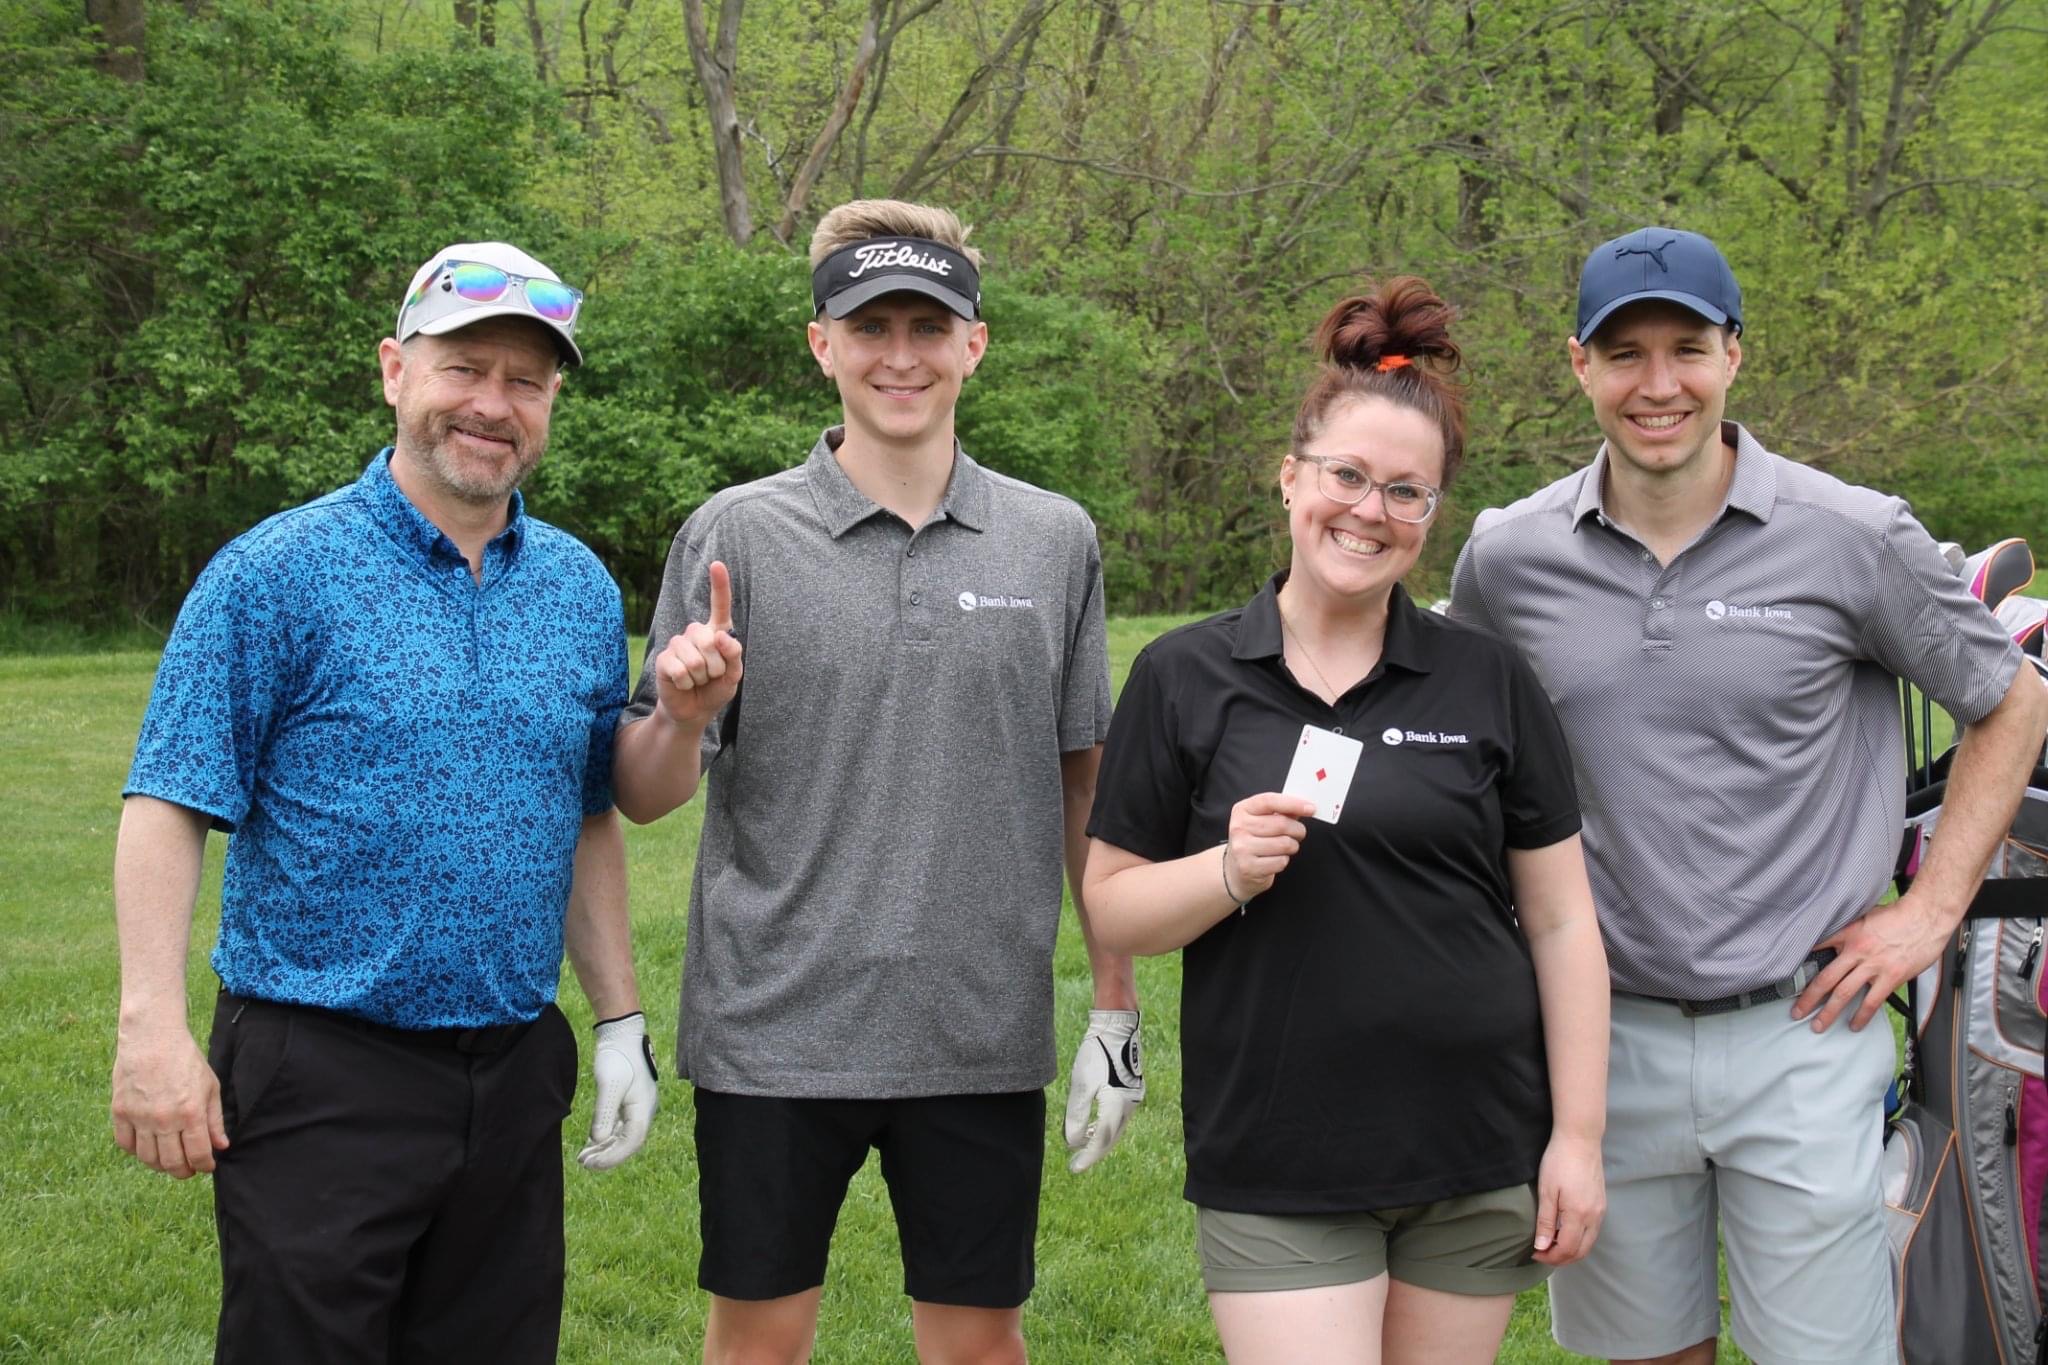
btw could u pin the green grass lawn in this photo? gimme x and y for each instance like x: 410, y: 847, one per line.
x: 109, y: 1261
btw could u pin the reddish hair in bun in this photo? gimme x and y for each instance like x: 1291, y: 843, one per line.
x: 1394, y: 342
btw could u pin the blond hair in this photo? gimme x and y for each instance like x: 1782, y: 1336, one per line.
x: 864, y: 219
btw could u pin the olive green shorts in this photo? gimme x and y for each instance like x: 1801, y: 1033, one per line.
x: 1478, y: 1244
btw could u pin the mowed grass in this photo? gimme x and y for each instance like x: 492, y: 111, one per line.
x: 107, y: 1261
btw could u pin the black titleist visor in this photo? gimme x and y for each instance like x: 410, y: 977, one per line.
x: 862, y: 271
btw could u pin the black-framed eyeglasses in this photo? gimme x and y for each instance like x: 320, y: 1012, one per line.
x: 1404, y: 499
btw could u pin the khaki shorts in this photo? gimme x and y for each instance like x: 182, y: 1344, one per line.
x: 1753, y: 1121
x: 1479, y: 1244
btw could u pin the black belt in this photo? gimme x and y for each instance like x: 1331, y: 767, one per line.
x: 1787, y: 989
x: 488, y: 1038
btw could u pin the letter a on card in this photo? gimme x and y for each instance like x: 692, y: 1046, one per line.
x: 1323, y: 764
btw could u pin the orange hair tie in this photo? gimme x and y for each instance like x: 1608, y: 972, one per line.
x: 1393, y: 362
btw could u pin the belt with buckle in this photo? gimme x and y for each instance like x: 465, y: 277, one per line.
x: 1787, y: 989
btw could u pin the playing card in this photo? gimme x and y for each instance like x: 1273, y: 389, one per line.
x: 1323, y: 764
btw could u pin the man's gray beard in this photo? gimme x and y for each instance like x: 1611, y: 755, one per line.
x: 444, y: 469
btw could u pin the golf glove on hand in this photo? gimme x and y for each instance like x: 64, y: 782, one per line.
x: 626, y: 1093
x: 1108, y: 1077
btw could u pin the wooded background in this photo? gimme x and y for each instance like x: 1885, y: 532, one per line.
x: 209, y: 210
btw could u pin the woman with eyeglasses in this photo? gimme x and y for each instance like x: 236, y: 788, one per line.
x: 1357, y: 819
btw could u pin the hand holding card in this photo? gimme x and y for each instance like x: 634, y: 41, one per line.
x: 1265, y: 833
x: 1324, y: 762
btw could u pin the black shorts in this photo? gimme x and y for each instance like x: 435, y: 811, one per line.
x: 962, y: 1170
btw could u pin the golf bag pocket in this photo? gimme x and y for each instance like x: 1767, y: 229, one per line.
x: 1966, y: 1158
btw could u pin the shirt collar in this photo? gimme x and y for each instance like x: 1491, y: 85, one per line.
x: 843, y: 507
x: 410, y: 527
x: 1259, y: 634
x: 1754, y: 489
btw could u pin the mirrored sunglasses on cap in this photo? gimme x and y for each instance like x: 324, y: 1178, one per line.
x: 457, y: 286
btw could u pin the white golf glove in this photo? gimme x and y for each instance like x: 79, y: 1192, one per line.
x: 1108, y: 1077
x: 626, y: 1093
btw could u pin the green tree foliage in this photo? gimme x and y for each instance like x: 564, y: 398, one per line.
x: 199, y: 265
x: 1170, y: 193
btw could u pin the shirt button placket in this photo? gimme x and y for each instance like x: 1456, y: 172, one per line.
x: 915, y: 592
x: 1657, y: 619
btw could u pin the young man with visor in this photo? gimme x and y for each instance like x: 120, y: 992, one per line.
x: 399, y: 702
x: 1722, y: 631
x: 900, y: 758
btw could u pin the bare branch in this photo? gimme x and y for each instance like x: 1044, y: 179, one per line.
x: 1744, y: 149
x: 835, y: 122
x: 1212, y: 93
x: 1106, y: 168
x: 1940, y: 395
x: 1028, y: 19
x: 1937, y: 181
x: 1826, y: 53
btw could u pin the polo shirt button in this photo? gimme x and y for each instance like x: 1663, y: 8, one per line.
x: 916, y: 598
x: 1646, y: 556
x: 1657, y: 602
x: 911, y: 553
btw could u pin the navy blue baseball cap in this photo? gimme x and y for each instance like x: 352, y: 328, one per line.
x: 1658, y: 263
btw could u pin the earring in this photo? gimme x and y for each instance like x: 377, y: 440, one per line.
x: 1287, y: 502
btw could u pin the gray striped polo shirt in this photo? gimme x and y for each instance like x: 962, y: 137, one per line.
x: 877, y: 889
x: 1734, y: 714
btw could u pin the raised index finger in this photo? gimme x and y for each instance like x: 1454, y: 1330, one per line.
x: 721, y: 597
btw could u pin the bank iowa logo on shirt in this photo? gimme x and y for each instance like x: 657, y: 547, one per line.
x: 994, y: 601
x: 1396, y: 734
x: 1717, y: 610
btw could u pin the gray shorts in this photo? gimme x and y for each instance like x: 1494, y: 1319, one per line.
x: 1477, y: 1244
x: 1754, y: 1121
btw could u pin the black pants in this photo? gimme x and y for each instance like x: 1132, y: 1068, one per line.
x: 388, y: 1196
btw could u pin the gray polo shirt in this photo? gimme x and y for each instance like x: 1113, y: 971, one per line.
x: 878, y: 883
x: 1734, y: 714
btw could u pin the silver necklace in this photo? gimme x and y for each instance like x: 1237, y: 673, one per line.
x: 1307, y: 657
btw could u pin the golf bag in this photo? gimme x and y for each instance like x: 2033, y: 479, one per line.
x: 1996, y: 576
x: 1966, y: 1157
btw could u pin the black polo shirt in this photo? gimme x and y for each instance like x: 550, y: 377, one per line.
x: 1367, y: 1035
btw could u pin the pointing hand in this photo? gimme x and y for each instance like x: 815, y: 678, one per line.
x: 698, y: 671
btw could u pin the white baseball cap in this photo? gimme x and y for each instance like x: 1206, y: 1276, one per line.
x: 471, y: 281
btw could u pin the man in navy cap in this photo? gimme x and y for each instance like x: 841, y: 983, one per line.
x: 1722, y: 631
x: 894, y: 787
x: 399, y: 702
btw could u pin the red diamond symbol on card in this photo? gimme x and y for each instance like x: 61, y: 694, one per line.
x: 1321, y: 773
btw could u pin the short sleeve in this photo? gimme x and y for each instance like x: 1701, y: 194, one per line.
x: 604, y: 716
x: 225, y: 680
x: 1468, y: 603
x: 1084, y: 698
x: 1924, y: 625
x: 685, y: 597
x: 1539, y: 801
x: 1143, y: 794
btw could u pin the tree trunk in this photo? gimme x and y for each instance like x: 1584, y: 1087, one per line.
x: 716, y: 60
x: 121, y: 29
